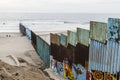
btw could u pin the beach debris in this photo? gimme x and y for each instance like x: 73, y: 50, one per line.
x: 10, y: 72
x: 14, y: 59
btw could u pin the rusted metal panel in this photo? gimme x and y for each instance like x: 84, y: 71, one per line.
x: 22, y: 29
x: 72, y: 38
x: 33, y: 39
x: 81, y: 54
x: 98, y: 31
x: 28, y: 33
x: 55, y: 39
x: 70, y: 53
x: 114, y: 28
x: 83, y: 36
x: 104, y: 57
x: 55, y: 46
x: 63, y: 40
x: 43, y: 49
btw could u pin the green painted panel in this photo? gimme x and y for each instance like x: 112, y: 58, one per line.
x: 63, y: 40
x: 43, y: 49
x: 71, y: 39
x: 83, y: 36
x: 98, y: 31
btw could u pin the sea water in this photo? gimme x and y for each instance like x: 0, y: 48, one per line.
x: 9, y: 22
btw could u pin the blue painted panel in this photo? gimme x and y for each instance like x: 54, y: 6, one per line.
x: 63, y: 40
x: 72, y: 38
x: 114, y: 28
x: 104, y: 57
x: 79, y: 72
x: 28, y: 33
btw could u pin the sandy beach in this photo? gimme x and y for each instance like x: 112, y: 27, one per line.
x: 19, y: 56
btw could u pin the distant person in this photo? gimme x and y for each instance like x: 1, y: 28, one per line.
x: 3, y: 23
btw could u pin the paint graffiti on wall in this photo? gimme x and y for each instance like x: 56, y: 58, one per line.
x: 108, y: 76
x: 99, y: 75
x: 79, y: 72
x: 68, y: 69
x: 57, y: 66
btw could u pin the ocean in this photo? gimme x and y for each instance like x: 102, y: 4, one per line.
x: 9, y: 22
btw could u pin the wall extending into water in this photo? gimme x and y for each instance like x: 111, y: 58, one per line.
x: 82, y: 55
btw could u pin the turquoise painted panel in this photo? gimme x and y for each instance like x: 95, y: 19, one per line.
x: 83, y: 36
x: 63, y: 40
x: 98, y: 31
x: 114, y: 29
x: 72, y: 38
x: 28, y: 33
x: 43, y: 49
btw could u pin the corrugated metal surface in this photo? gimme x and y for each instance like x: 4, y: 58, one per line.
x: 22, y: 29
x: 72, y: 38
x: 83, y: 36
x: 104, y: 57
x: 81, y: 54
x: 98, y: 31
x: 114, y: 28
x: 43, y: 50
x: 28, y: 33
x: 33, y: 39
x: 55, y: 46
x: 63, y: 40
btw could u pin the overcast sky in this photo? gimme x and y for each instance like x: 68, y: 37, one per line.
x: 61, y: 6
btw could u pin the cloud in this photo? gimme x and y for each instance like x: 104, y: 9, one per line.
x: 90, y: 6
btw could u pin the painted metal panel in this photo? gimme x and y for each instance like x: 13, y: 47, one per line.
x: 99, y: 75
x: 28, y: 33
x: 79, y: 72
x: 43, y: 50
x: 63, y: 46
x: 63, y: 40
x: 57, y: 67
x: 114, y: 28
x: 83, y: 36
x: 73, y: 71
x: 33, y: 39
x: 22, y: 29
x: 104, y: 57
x: 72, y: 38
x: 98, y: 31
